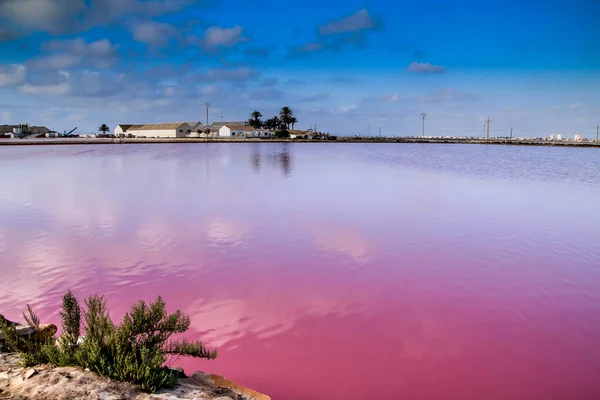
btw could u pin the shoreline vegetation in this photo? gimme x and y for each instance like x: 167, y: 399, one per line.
x: 137, y: 352
x: 338, y: 139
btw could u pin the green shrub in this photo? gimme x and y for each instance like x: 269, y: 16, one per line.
x: 33, y: 350
x: 133, y: 351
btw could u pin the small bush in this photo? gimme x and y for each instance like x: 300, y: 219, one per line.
x: 281, y: 134
x: 133, y: 351
x: 33, y: 350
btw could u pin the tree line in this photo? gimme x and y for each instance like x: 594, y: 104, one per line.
x: 281, y: 122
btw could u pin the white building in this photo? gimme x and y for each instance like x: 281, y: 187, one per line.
x: 170, y: 130
x: 243, y: 132
x: 577, y: 138
x: 121, y: 129
x: 259, y: 133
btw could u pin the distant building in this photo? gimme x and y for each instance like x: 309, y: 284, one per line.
x: 242, y: 131
x: 8, y: 129
x: 558, y: 137
x: 577, y: 138
x: 21, y: 130
x: 173, y: 130
x: 121, y: 129
x: 215, y: 127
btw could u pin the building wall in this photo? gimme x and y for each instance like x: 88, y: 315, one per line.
x: 259, y: 133
x: 180, y: 132
x: 225, y: 131
x: 159, y: 133
x: 118, y: 131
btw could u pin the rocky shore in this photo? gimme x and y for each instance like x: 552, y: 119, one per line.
x: 45, y: 382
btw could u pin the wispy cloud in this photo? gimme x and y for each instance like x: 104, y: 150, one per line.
x: 153, y: 33
x: 347, y: 109
x: 387, y: 98
x: 425, y: 68
x: 310, y: 47
x: 573, y: 106
x: 216, y: 37
x: 70, y: 16
x: 68, y: 53
x: 12, y: 75
x: 339, y: 34
x: 359, y: 21
x: 226, y: 75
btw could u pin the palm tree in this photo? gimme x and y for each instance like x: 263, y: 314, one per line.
x: 286, y: 114
x: 103, y: 128
x: 255, y: 120
x: 293, y: 121
x: 273, y: 123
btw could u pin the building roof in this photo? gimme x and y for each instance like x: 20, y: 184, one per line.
x: 155, y: 127
x: 8, y: 128
x: 125, y: 126
x: 227, y: 123
x: 194, y: 124
x: 240, y: 128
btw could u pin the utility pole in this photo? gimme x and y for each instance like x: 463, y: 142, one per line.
x: 207, y: 125
x: 423, y: 115
x: 379, y: 132
x: 511, y: 130
x: 488, y: 127
x: 597, y: 131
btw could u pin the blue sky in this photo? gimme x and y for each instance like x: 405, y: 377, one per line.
x: 348, y: 67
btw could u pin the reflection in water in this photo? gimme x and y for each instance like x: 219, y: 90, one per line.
x: 452, y: 289
x: 280, y: 158
x: 286, y: 162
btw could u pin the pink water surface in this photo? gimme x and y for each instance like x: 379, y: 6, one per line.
x: 328, y: 271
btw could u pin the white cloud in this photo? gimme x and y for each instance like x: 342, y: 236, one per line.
x: 223, y: 37
x: 55, y: 61
x: 425, y: 68
x: 347, y: 109
x: 12, y: 75
x: 310, y: 47
x: 58, y: 89
x: 316, y: 97
x: 573, y: 106
x: 154, y: 33
x: 230, y: 75
x: 41, y: 15
x: 387, y: 98
x: 360, y: 20
x: 69, y: 16
x: 68, y: 53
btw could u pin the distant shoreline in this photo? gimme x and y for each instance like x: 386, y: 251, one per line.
x: 85, y: 141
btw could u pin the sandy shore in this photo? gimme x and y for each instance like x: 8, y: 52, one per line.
x: 73, y: 141
x: 45, y: 382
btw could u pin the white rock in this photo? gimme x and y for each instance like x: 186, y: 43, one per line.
x: 29, y: 373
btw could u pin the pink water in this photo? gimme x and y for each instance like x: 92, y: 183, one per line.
x: 328, y: 271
